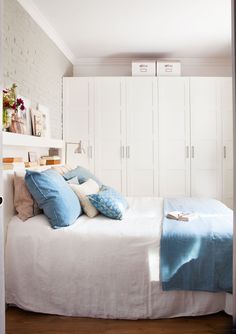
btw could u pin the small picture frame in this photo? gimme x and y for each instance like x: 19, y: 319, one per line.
x: 26, y: 116
x: 33, y: 157
x: 46, y: 131
x: 36, y: 120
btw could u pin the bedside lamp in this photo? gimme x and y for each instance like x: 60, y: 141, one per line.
x: 78, y: 150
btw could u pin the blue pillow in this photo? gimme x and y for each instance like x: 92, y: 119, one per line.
x: 109, y: 202
x: 82, y: 174
x: 54, y: 196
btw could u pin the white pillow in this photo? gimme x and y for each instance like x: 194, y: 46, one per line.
x: 82, y: 190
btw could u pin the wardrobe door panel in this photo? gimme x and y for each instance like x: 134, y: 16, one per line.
x: 141, y: 152
x: 205, y: 137
x: 174, y: 137
x: 78, y: 109
x: 109, y: 131
x: 176, y: 178
x: 77, y: 102
x: 227, y: 139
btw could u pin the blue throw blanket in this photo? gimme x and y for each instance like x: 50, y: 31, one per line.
x: 197, y: 255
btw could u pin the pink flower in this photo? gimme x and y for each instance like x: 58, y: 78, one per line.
x: 22, y: 107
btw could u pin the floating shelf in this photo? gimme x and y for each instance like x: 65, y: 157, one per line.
x: 15, y: 139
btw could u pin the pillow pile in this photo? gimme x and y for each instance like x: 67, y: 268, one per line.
x: 107, y: 201
x: 54, y: 196
x: 61, y: 197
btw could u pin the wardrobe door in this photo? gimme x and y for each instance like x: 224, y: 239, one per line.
x: 227, y: 139
x: 78, y: 120
x: 174, y: 136
x: 141, y: 149
x: 109, y: 131
x: 205, y: 137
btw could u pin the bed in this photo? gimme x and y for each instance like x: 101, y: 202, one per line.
x: 98, y: 268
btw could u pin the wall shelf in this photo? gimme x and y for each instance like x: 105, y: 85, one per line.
x: 15, y: 139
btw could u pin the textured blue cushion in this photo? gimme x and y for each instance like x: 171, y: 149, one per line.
x: 82, y: 174
x: 109, y: 202
x: 54, y: 196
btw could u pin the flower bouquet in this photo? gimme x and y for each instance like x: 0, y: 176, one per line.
x: 12, y: 109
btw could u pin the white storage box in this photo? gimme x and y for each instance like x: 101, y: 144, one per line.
x: 171, y: 68
x: 144, y: 68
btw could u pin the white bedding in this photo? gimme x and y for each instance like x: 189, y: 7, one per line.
x: 98, y: 268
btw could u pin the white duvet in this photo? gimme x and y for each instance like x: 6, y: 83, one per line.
x: 97, y: 268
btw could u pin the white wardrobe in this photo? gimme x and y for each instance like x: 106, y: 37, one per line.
x: 166, y: 136
x: 116, y: 120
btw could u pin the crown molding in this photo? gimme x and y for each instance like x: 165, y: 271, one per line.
x: 38, y: 17
x: 106, y: 61
x: 108, y: 66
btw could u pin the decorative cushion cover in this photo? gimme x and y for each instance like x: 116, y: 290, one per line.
x: 82, y: 190
x: 109, y: 202
x: 54, y: 196
x: 82, y: 174
x: 24, y: 203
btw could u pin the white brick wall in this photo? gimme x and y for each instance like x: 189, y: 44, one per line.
x: 34, y: 63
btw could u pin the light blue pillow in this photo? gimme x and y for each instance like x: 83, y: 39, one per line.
x: 109, y: 202
x: 54, y: 196
x: 82, y: 174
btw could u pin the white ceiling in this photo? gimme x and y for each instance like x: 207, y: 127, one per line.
x: 140, y: 28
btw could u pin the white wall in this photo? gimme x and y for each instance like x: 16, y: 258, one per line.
x: 34, y: 63
x: 122, y: 66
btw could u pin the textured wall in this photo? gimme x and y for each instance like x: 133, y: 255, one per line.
x: 34, y: 63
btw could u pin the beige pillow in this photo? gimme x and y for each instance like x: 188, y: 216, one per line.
x: 82, y: 191
x: 62, y: 169
x: 24, y: 203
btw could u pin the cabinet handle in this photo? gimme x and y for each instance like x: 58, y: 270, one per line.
x: 127, y: 152
x: 122, y: 152
x: 193, y: 152
x: 225, y: 152
x: 187, y: 152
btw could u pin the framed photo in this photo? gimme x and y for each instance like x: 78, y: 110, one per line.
x: 36, y: 121
x: 32, y: 156
x: 26, y: 116
x: 46, y: 131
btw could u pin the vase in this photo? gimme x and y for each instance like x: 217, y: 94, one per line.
x: 17, y: 124
x: 7, y: 115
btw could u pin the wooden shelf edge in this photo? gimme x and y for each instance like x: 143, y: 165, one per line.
x: 15, y: 139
